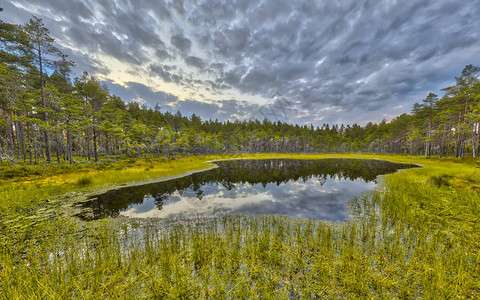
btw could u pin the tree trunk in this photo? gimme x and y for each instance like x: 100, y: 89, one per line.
x: 477, y: 147
x: 47, y: 143
x: 57, y: 139
x: 94, y: 138
x: 69, y: 147
x: 95, y: 145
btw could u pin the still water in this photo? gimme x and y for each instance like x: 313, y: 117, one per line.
x: 317, y: 189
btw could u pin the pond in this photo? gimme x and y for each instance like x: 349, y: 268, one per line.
x: 317, y: 189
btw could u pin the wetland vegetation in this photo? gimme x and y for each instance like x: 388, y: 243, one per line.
x: 398, y: 243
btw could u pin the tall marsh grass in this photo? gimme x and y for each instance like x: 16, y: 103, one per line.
x: 411, y: 238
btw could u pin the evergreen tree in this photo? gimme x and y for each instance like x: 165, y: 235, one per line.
x: 43, y: 50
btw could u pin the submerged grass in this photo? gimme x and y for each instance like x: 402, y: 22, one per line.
x: 416, y: 236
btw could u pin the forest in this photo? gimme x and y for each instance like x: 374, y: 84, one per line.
x: 48, y: 116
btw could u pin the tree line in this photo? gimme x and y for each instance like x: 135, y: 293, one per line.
x: 47, y: 116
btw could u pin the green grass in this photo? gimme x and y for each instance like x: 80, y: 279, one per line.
x: 416, y: 236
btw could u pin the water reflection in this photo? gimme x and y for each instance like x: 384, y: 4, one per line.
x: 315, y: 189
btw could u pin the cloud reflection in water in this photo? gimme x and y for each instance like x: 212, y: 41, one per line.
x: 317, y: 189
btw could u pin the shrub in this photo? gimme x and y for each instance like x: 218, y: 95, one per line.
x: 84, y: 180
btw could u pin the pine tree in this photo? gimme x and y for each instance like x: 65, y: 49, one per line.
x: 44, y: 52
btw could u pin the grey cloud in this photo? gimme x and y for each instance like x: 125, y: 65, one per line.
x: 162, y: 55
x: 134, y: 90
x: 181, y: 43
x: 334, y: 61
x: 169, y: 67
x: 257, y: 81
x: 177, y: 5
x: 164, y: 73
x: 194, y: 61
x: 232, y: 77
x: 159, y: 71
x: 243, y: 109
x: 217, y: 86
x: 219, y: 67
x: 76, y: 22
x: 222, y: 110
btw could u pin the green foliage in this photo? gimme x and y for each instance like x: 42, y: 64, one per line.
x: 441, y: 180
x: 85, y: 180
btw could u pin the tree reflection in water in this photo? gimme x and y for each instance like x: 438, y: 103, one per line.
x: 301, y: 188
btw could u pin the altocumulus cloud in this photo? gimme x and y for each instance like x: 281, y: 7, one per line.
x: 326, y: 61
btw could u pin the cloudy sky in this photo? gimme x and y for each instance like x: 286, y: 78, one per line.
x: 302, y: 61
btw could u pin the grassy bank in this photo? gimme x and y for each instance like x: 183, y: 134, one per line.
x: 416, y: 236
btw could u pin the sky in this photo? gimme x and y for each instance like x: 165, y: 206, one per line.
x: 297, y: 61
